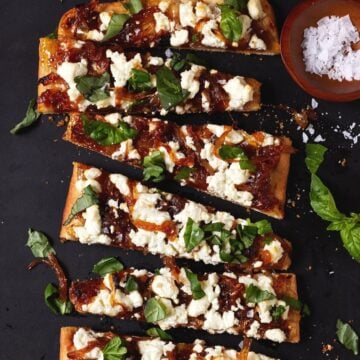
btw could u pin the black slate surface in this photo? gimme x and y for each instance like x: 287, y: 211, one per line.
x: 34, y: 175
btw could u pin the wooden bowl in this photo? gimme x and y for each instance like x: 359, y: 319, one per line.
x: 306, y: 14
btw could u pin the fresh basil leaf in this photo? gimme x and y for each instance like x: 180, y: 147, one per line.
x: 184, y: 173
x: 350, y: 236
x: 169, y: 88
x: 154, y: 167
x: 106, y: 134
x: 347, y: 336
x: 212, y: 227
x: 314, y: 156
x: 107, y: 265
x: 247, y: 234
x: 322, y: 201
x: 87, y: 199
x: 230, y: 23
x: 195, y: 38
x: 116, y: 24
x: 297, y: 305
x: 39, y: 244
x: 30, y: 117
x: 53, y: 35
x: 134, y: 6
x: 239, y: 5
x: 58, y: 307
x: 154, y: 310
x: 228, y: 152
x: 253, y: 294
x: 305, y: 311
x: 277, y: 312
x: 196, y: 289
x: 157, y: 332
x: 91, y: 87
x: 193, y: 234
x: 115, y: 349
x: 179, y: 62
x: 131, y: 284
x: 264, y: 227
x: 140, y: 81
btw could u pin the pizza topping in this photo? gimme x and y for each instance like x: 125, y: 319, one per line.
x: 173, y: 298
x: 31, y: 117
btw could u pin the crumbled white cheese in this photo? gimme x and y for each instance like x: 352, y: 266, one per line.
x: 255, y: 9
x: 202, y: 10
x: 155, y: 61
x: 192, y: 210
x: 102, y: 304
x: 253, y: 330
x: 162, y: 22
x: 126, y: 151
x: 264, y: 308
x: 239, y: 91
x: 90, y: 175
x: 163, y: 5
x: 189, y: 141
x: 113, y: 119
x: 189, y: 80
x: 154, y: 349
x: 209, y: 38
x: 246, y: 24
x: 234, y: 137
x: 205, y: 103
x: 121, y: 68
x: 218, y: 323
x: 121, y: 183
x: 207, y: 153
x: 176, y: 315
x: 135, y: 299
x: 217, y: 130
x: 186, y: 14
x: 276, y: 335
x: 179, y: 37
x: 171, y: 157
x: 82, y: 337
x: 165, y: 287
x: 257, y: 43
x: 275, y: 249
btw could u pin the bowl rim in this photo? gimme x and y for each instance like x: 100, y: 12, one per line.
x: 304, y: 84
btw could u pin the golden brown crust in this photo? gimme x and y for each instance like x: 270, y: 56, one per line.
x: 66, y: 341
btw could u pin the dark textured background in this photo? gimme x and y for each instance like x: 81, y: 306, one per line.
x: 34, y: 176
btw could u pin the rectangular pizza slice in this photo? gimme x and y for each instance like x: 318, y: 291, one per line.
x: 78, y: 343
x: 84, y: 76
x: 242, y: 26
x: 250, y: 170
x: 123, y: 213
x: 256, y: 305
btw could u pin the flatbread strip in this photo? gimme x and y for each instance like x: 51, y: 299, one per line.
x: 187, y: 24
x: 133, y: 83
x: 133, y: 217
x: 76, y: 342
x: 169, y: 300
x: 199, y: 147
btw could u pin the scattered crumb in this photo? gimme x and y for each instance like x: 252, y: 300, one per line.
x: 60, y: 123
x: 314, y: 104
x: 327, y: 348
x: 319, y: 138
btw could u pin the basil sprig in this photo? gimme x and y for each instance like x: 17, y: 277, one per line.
x: 230, y: 23
x: 254, y: 294
x: 154, y: 310
x: 347, y: 336
x: 184, y: 173
x: 324, y: 205
x: 134, y: 6
x: 140, y: 81
x: 106, y: 134
x: 30, y: 117
x: 39, y: 244
x: 115, y: 349
x: 157, y: 332
x: 195, y: 284
x: 87, y: 199
x: 131, y: 284
x: 227, y: 152
x: 107, y: 265
x: 169, y: 88
x: 277, y: 312
x: 58, y: 307
x: 154, y: 167
x: 116, y: 24
x: 93, y: 87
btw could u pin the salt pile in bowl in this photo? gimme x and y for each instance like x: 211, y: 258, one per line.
x: 327, y: 49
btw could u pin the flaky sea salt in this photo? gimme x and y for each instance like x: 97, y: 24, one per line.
x: 327, y: 49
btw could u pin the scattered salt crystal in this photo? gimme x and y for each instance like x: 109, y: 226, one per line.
x: 168, y: 53
x: 314, y: 104
x: 310, y: 129
x: 319, y: 138
x: 305, y: 138
x: 327, y: 49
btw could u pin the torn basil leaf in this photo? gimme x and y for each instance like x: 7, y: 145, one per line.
x: 228, y: 152
x: 347, y: 336
x: 115, y: 349
x: 131, y: 284
x: 314, y: 156
x: 184, y: 173
x: 297, y: 305
x: 58, y: 307
x: 263, y: 227
x: 106, y: 134
x: 39, y: 244
x: 196, y: 289
x: 154, y: 167
x: 254, y: 294
x: 30, y: 117
x: 154, y: 310
x: 134, y: 6
x: 140, y: 81
x: 180, y: 62
x: 239, y: 5
x: 157, y: 332
x: 107, y: 265
x: 87, y: 199
x: 116, y: 24
x: 169, y: 88
x: 92, y: 87
x: 193, y: 234
x: 277, y: 312
x: 230, y: 23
